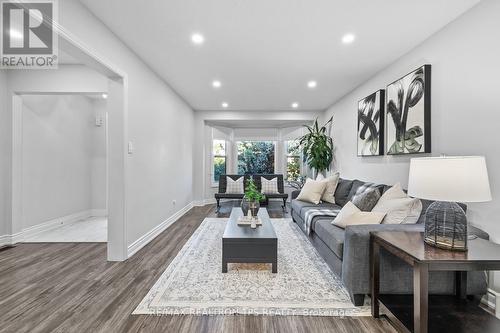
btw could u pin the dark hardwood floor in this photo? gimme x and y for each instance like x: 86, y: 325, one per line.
x: 70, y: 287
x: 446, y: 314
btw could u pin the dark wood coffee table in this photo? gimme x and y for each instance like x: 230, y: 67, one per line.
x: 410, y: 247
x: 242, y: 244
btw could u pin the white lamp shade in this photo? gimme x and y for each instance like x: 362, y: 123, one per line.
x: 450, y: 178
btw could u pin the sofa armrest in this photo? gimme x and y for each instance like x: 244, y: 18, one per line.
x: 295, y: 194
x: 356, y: 255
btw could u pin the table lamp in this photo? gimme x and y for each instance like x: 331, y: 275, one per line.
x: 448, y: 180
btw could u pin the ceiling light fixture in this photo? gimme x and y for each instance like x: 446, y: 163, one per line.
x: 197, y: 38
x: 225, y: 105
x: 104, y: 96
x: 312, y: 84
x: 348, y: 38
x: 295, y: 105
x: 216, y: 84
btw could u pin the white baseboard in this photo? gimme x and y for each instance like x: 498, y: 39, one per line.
x: 149, y: 236
x: 492, y: 300
x: 200, y: 203
x: 99, y: 212
x: 132, y: 248
x: 49, y: 225
x: 7, y: 240
x: 57, y: 222
x: 17, y: 237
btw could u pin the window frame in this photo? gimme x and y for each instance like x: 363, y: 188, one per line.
x: 213, y: 156
x: 288, y: 155
x: 274, y: 142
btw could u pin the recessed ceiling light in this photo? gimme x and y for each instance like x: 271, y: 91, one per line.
x: 197, y: 38
x: 104, y: 96
x: 224, y: 105
x: 295, y: 105
x: 348, y: 38
x: 216, y: 84
x: 312, y: 84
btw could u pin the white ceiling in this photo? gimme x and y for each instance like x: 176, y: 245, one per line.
x: 265, y: 51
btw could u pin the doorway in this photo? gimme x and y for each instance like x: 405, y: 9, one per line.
x: 64, y: 169
x: 98, y: 78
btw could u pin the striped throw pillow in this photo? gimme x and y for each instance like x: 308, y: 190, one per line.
x: 269, y: 186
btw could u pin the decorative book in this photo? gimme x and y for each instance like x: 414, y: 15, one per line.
x: 247, y: 221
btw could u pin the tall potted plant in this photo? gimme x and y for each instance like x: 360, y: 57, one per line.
x: 317, y: 147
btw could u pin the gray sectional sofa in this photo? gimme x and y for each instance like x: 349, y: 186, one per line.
x: 347, y: 251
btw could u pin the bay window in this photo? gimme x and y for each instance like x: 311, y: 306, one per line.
x: 219, y: 159
x: 255, y: 157
x: 293, y: 160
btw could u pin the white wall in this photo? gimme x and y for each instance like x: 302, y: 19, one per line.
x: 465, y: 110
x: 4, y: 151
x: 202, y: 188
x: 98, y: 158
x: 66, y: 79
x: 160, y: 126
x: 59, y: 140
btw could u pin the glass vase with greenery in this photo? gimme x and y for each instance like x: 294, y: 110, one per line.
x: 252, y: 198
x: 317, y: 147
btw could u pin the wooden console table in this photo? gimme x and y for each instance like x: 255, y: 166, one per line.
x: 410, y: 247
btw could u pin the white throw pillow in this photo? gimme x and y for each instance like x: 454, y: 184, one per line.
x: 269, y: 186
x: 312, y: 191
x: 352, y: 215
x: 395, y: 192
x: 234, y: 186
x: 331, y: 185
x: 398, y: 207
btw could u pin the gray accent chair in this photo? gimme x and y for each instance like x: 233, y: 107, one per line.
x: 221, y: 194
x: 346, y: 251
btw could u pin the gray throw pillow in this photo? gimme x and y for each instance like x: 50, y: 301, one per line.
x: 366, y: 200
x: 342, y: 191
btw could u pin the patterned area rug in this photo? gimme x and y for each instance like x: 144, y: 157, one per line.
x: 194, y: 284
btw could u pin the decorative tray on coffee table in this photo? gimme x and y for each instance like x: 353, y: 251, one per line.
x: 245, y: 221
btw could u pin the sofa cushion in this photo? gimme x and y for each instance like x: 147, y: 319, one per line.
x: 331, y: 185
x: 269, y: 186
x: 312, y: 191
x: 398, y: 206
x: 298, y: 206
x: 367, y: 200
x: 229, y: 196
x: 359, y: 187
x: 352, y: 215
x: 331, y: 235
x: 276, y: 195
x: 342, y: 192
x: 356, y: 184
x: 235, y: 186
